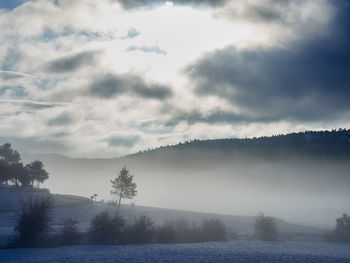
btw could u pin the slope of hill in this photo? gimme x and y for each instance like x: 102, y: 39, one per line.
x: 83, y: 210
x: 327, y: 144
x: 301, y: 177
x: 315, y: 144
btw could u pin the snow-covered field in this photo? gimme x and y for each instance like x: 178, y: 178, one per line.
x: 235, y: 251
x: 83, y: 210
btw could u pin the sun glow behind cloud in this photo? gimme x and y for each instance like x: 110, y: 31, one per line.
x: 147, y: 57
x: 169, y: 4
x: 183, y: 33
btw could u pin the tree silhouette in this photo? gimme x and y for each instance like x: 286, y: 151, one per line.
x: 341, y: 233
x: 4, y: 172
x: 166, y: 233
x: 141, y: 231
x: 266, y: 228
x: 8, y: 154
x: 11, y: 169
x: 10, y: 164
x: 212, y: 230
x: 106, y: 229
x: 69, y: 232
x: 32, y: 222
x: 36, y: 172
x: 123, y: 186
x: 18, y: 174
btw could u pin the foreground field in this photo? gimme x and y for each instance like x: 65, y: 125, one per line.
x: 236, y: 251
x: 84, y: 210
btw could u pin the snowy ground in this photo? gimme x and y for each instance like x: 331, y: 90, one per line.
x: 236, y: 251
x: 83, y: 210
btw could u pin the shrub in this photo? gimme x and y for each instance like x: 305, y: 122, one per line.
x: 69, y: 232
x: 341, y: 233
x: 212, y: 230
x: 106, y: 229
x: 32, y: 223
x: 266, y: 228
x: 186, y: 232
x: 234, y: 236
x: 166, y: 233
x: 181, y: 231
x: 141, y: 231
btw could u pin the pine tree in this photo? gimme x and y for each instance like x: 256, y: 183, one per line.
x: 9, y: 163
x: 8, y: 154
x: 123, y: 186
x: 36, y: 172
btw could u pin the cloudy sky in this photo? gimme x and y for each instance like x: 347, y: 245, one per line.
x: 110, y: 77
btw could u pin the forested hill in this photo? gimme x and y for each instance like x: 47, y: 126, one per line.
x: 328, y: 144
x: 299, y: 176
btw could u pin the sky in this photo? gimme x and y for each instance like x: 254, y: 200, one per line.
x: 106, y: 78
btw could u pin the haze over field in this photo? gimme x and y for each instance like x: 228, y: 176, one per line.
x: 302, y: 178
x: 232, y: 107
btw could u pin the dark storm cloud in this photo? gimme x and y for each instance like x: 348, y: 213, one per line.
x: 61, y: 120
x: 130, y: 4
x: 109, y: 86
x: 71, y: 63
x: 279, y: 11
x: 195, y: 116
x: 265, y: 11
x: 123, y: 141
x: 145, y: 49
x: 308, y: 81
x: 213, y: 117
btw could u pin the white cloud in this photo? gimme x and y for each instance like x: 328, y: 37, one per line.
x: 42, y: 32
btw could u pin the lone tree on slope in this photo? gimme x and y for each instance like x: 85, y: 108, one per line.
x: 123, y: 186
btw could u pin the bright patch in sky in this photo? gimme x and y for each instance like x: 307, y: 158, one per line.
x: 94, y: 76
x: 169, y: 3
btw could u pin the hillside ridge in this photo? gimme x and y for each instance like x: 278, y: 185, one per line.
x: 334, y: 143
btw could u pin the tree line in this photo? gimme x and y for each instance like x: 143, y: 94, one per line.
x: 330, y: 144
x: 14, y: 172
